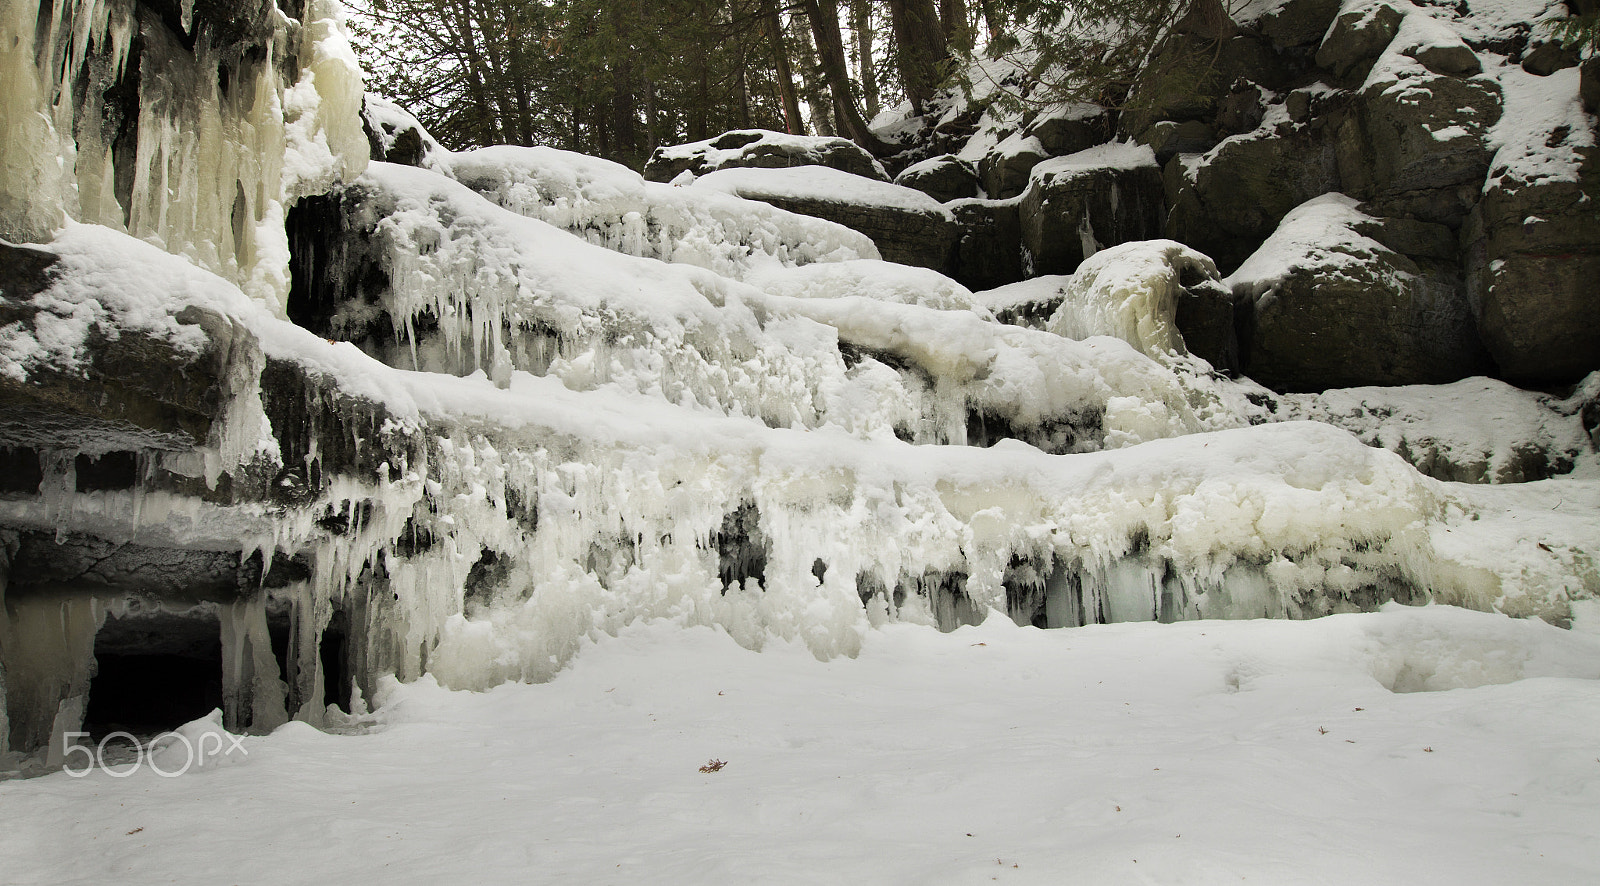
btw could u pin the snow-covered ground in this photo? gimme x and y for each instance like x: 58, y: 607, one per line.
x: 1204, y: 752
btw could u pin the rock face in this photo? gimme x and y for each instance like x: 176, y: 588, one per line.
x: 1533, y: 256
x: 989, y: 247
x: 1447, y: 127
x: 907, y: 226
x: 761, y: 149
x: 1227, y: 201
x: 1335, y: 307
x: 1078, y: 204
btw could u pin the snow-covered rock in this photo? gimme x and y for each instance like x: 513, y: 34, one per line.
x: 761, y: 149
x: 1336, y: 308
x: 907, y: 225
x: 1084, y: 202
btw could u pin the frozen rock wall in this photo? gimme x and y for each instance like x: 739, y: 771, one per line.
x: 457, y: 417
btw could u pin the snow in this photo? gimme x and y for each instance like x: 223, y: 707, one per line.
x: 1318, y: 234
x: 1543, y: 134
x: 1206, y: 752
x: 822, y: 184
x: 710, y: 157
x: 878, y: 280
x: 1112, y: 155
x: 612, y: 206
x: 1474, y: 426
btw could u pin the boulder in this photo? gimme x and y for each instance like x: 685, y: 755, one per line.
x: 1418, y: 145
x: 1004, y: 171
x: 944, y: 178
x: 907, y: 226
x: 1208, y: 318
x: 989, y: 247
x: 1451, y: 59
x: 1532, y: 259
x: 1168, y: 138
x: 1356, y: 39
x: 762, y: 149
x: 1242, y: 110
x: 1297, y: 22
x: 1070, y: 128
x: 99, y: 384
x: 1430, y: 132
x: 1228, y: 201
x: 1079, y: 204
x: 1191, y: 75
x: 394, y: 135
x: 1335, y: 308
x: 1547, y: 57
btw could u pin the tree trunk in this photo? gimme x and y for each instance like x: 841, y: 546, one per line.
x: 992, y: 18
x: 487, y: 123
x: 813, y: 85
x: 957, y: 30
x: 922, y: 51
x: 780, y: 55
x: 861, y: 23
x: 824, y: 16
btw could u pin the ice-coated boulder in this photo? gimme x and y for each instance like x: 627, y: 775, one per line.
x: 1335, y: 307
x: 761, y: 149
x: 1084, y: 202
x: 1160, y: 296
x: 907, y: 225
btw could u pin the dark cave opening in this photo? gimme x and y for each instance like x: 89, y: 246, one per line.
x: 337, y: 679
x: 150, y: 693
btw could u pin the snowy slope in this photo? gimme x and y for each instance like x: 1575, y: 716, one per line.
x: 1402, y: 747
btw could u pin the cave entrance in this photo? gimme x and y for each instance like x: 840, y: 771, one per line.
x: 154, y: 672
x: 335, y: 652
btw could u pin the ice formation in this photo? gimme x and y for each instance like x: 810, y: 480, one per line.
x: 466, y: 415
x: 198, y: 148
